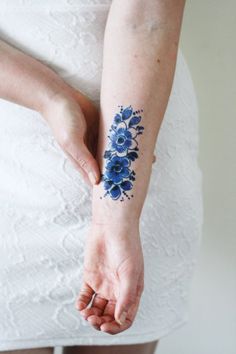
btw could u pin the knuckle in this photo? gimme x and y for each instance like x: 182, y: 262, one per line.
x: 83, y: 298
x: 84, y: 292
x: 82, y: 162
x: 65, y: 141
x: 68, y: 145
x: 132, y: 298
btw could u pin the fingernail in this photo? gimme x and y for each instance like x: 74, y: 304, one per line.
x: 123, y: 318
x: 92, y: 178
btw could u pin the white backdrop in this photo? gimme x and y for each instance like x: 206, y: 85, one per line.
x: 208, y: 42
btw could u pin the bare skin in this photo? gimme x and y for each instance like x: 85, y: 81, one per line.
x: 109, y: 275
x: 76, y: 132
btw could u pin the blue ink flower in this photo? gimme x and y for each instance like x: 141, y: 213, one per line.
x: 118, y: 177
x: 115, y: 190
x: 117, y: 169
x: 123, y: 139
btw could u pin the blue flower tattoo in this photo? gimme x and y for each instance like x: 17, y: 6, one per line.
x: 118, y: 177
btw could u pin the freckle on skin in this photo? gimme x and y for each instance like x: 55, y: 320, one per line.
x: 153, y: 25
x: 133, y: 26
x: 158, y: 60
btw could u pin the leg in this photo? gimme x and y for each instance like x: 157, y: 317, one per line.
x: 145, y: 348
x: 31, y: 351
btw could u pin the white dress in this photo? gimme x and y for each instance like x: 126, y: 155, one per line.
x: 45, y: 207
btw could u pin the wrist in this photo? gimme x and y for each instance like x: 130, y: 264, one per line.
x: 115, y: 221
x: 57, y: 92
x: 114, y: 229
x: 106, y: 211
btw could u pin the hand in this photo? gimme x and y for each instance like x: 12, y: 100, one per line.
x: 74, y: 122
x: 113, y: 276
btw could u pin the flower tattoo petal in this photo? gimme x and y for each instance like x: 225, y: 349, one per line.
x: 123, y: 149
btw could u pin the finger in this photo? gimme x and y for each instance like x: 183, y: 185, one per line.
x: 85, y: 296
x: 76, y: 147
x: 110, y: 308
x: 99, y: 320
x: 77, y: 166
x: 94, y: 321
x: 99, y: 302
x: 97, y: 307
x: 91, y: 141
x: 90, y: 312
x: 106, y: 318
x: 113, y: 327
x: 128, y: 296
x: 134, y: 308
x: 95, y: 315
x: 133, y: 311
x: 88, y: 163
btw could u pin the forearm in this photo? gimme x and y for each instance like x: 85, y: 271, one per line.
x: 140, y: 49
x: 25, y: 80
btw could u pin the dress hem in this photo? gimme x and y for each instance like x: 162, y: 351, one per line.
x: 137, y: 338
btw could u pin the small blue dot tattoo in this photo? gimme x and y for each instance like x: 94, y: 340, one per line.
x: 123, y: 148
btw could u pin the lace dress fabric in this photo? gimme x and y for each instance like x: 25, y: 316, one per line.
x: 45, y: 206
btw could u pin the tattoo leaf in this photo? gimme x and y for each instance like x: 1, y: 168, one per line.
x: 127, y: 112
x: 132, y: 155
x: 115, y: 192
x: 107, y: 154
x: 117, y: 118
x: 134, y: 121
x: 126, y: 185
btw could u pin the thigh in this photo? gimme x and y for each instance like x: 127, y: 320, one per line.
x: 31, y: 351
x: 144, y: 348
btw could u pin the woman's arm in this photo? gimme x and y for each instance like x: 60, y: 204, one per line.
x: 28, y: 82
x: 140, y: 49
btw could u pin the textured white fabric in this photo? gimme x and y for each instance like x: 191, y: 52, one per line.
x: 45, y: 205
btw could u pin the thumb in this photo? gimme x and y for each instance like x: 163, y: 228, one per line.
x: 127, y: 299
x: 88, y: 163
